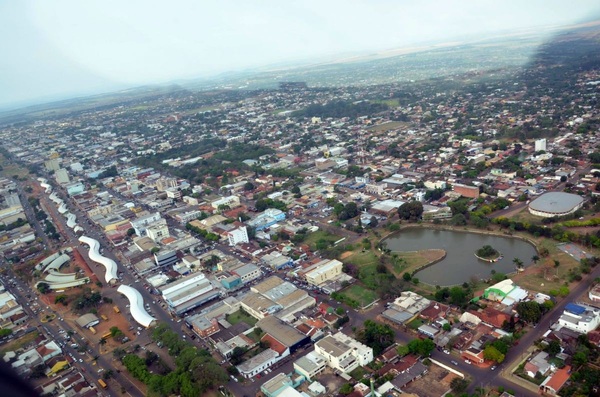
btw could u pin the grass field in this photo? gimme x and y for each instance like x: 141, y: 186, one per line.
x: 360, y: 294
x: 391, y: 125
x: 360, y: 258
x: 9, y: 169
x: 541, y: 276
x: 19, y: 343
x: 393, y: 103
x: 239, y: 316
x: 319, y: 235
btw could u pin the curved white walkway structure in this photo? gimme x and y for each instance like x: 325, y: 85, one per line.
x: 63, y: 208
x: 71, y: 218
x: 136, y: 304
x: 78, y: 229
x: 45, y: 185
x: 57, y: 263
x: 110, y: 265
x: 57, y: 200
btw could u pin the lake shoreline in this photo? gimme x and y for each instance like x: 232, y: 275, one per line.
x: 458, y: 259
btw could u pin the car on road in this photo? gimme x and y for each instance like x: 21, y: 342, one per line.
x: 468, y: 361
x: 446, y: 351
x: 454, y: 362
x: 493, y: 367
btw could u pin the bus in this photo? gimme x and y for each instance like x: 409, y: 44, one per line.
x: 102, y: 383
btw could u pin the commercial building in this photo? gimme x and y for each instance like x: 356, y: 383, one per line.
x: 310, y: 366
x: 87, y: 320
x: 229, y: 201
x: 286, y: 335
x: 203, y: 326
x: 324, y: 271
x: 506, y: 292
x: 188, y: 293
x: 274, y: 296
x: 258, y: 363
x: 158, y: 230
x: 165, y: 258
x: 580, y: 318
x: 343, y: 353
x: 140, y: 224
x: 247, y: 272
x: 267, y: 219
x: 62, y: 176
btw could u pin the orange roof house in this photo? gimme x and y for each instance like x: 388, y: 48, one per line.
x: 556, y: 381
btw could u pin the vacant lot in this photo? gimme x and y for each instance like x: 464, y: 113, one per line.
x: 9, y: 169
x: 240, y: 316
x: 22, y: 342
x: 436, y: 382
x: 360, y: 294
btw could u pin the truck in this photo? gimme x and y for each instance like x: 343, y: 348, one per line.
x: 102, y: 383
x: 116, y: 309
x: 104, y: 317
x: 93, y: 330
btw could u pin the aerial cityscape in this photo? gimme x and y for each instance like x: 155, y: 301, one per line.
x: 422, y: 222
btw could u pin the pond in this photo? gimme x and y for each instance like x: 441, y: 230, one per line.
x: 460, y: 263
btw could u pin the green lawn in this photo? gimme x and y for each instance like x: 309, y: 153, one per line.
x: 320, y: 235
x: 240, y: 316
x: 360, y: 294
x: 361, y: 259
x: 416, y: 323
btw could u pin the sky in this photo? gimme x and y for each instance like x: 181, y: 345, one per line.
x: 63, y: 48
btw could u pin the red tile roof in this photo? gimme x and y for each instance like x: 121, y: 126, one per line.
x: 559, y: 378
x: 274, y: 344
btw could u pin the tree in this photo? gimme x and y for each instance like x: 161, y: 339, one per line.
x: 378, y: 336
x: 518, y: 262
x: 44, y: 288
x: 447, y: 327
x: 458, y: 296
x: 346, y: 389
x: 553, y: 348
x: 458, y: 220
x: 236, y: 355
x: 421, y: 347
x: 5, y: 332
x: 130, y: 232
x: 491, y: 353
x: 459, y: 385
x: 411, y: 211
x: 529, y: 312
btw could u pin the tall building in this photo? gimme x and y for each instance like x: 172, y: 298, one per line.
x: 238, y: 236
x: 540, y: 144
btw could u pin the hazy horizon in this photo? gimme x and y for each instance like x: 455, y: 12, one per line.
x: 66, y: 48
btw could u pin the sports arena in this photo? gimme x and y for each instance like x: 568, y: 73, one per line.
x: 553, y: 204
